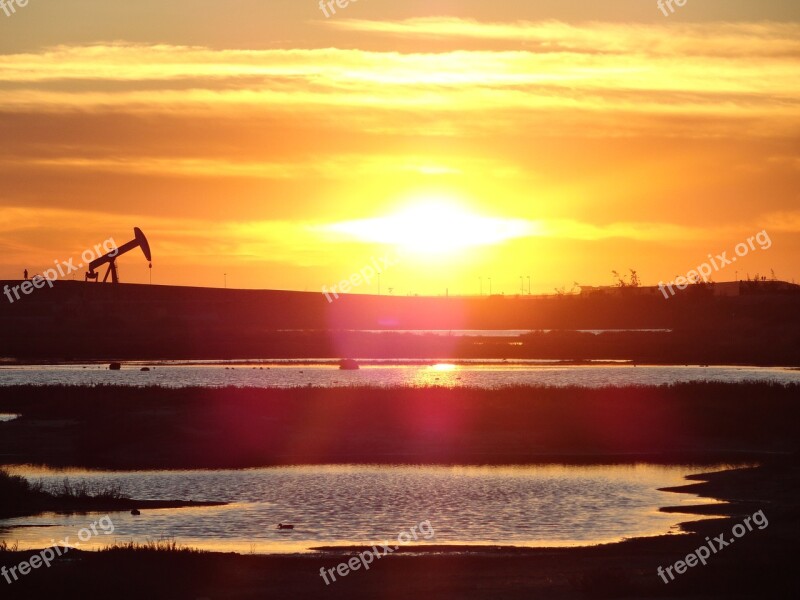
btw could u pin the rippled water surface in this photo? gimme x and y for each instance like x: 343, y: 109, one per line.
x: 336, y: 505
x: 483, y: 374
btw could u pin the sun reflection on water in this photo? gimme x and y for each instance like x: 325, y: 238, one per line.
x: 439, y: 374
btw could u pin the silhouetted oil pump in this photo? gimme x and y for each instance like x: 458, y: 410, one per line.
x: 139, y: 241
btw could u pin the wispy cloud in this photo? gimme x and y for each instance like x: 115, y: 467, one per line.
x: 625, y: 73
x: 343, y: 166
x: 674, y: 39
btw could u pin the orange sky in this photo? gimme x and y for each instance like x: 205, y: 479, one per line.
x: 556, y: 140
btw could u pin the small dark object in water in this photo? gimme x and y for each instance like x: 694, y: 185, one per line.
x: 135, y: 512
x: 145, y: 369
x: 282, y: 526
x: 115, y: 366
x: 348, y: 364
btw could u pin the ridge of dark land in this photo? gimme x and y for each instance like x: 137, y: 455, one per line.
x: 76, y: 320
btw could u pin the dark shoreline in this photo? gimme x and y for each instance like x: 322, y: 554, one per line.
x: 214, y: 428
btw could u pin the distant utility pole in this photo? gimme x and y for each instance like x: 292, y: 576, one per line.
x: 226, y: 280
x: 480, y: 282
x: 529, y: 285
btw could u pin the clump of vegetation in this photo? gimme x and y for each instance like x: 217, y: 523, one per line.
x: 16, y: 491
x: 83, y: 491
x: 165, y: 545
x: 19, y: 497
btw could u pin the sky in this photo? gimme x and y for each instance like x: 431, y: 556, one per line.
x: 263, y: 144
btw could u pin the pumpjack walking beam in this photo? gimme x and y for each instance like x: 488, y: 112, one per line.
x: 139, y: 241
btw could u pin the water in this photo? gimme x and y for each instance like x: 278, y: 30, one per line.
x: 550, y: 505
x: 476, y: 374
x: 484, y: 332
x: 527, y: 506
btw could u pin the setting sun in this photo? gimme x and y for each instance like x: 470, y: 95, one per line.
x: 434, y: 226
x: 445, y: 300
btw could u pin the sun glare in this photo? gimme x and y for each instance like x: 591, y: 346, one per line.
x: 435, y: 226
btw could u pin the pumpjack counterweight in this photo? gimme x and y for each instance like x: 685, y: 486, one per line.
x: 110, y: 259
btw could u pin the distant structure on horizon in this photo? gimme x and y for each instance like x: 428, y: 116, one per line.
x: 139, y: 241
x: 723, y: 288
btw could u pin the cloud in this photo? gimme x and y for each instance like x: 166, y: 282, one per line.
x: 619, y: 78
x: 786, y: 221
x: 30, y: 232
x: 343, y: 166
x: 673, y: 39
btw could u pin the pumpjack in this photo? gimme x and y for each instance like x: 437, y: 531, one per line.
x: 110, y: 259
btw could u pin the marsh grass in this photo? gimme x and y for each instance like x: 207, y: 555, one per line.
x: 68, y: 490
x: 160, y: 546
x: 19, y: 496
